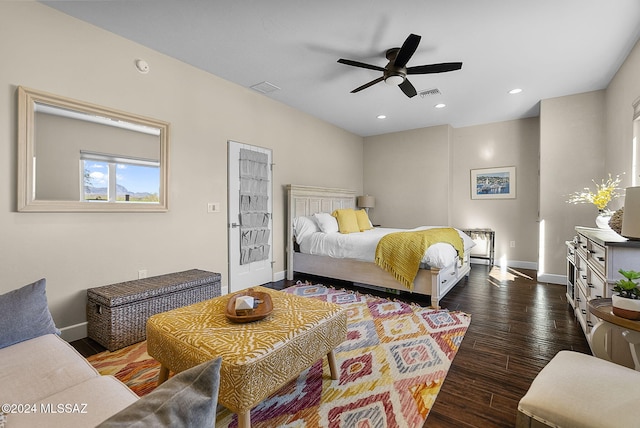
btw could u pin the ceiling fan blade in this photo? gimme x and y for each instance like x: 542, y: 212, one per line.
x: 360, y: 64
x: 407, y: 50
x: 366, y: 85
x: 434, y: 68
x: 408, y: 88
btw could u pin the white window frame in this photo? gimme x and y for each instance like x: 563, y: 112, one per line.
x: 112, y: 162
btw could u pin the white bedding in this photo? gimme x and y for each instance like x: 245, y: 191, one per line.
x: 362, y: 245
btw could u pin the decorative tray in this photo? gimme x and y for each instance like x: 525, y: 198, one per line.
x: 261, y: 310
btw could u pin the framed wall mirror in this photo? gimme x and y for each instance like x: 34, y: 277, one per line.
x: 75, y: 156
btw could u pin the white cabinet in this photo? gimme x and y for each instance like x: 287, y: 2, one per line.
x: 593, y: 260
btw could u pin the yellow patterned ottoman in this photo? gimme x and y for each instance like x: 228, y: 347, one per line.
x: 258, y: 358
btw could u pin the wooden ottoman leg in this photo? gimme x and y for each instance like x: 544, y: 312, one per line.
x: 163, y: 375
x: 333, y: 367
x: 244, y: 419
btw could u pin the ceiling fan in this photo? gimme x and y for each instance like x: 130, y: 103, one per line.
x: 396, y: 71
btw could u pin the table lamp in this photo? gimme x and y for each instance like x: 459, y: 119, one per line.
x: 631, y: 215
x: 366, y: 202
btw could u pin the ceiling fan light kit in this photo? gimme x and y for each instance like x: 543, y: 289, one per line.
x: 396, y: 71
x: 394, y: 79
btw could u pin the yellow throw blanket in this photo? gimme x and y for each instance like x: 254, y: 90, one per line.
x: 400, y: 253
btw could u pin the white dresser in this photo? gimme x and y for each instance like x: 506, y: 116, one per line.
x: 593, y: 260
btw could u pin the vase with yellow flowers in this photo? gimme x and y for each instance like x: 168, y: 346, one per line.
x: 605, y: 192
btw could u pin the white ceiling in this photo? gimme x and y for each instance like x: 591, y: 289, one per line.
x: 549, y: 48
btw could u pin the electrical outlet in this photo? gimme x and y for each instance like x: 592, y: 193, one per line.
x: 213, y: 207
x: 512, y: 244
x: 142, y: 273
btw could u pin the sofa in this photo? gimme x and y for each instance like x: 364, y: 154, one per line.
x: 44, y: 381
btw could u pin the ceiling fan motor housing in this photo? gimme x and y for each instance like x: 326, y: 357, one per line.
x: 393, y: 75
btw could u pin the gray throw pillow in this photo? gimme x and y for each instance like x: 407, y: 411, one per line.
x: 188, y: 399
x: 24, y: 314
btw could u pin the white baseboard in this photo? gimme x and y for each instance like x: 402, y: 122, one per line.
x: 552, y: 278
x: 74, y: 332
x: 475, y: 261
x: 279, y: 276
x: 510, y: 263
x: 522, y: 265
x: 517, y: 264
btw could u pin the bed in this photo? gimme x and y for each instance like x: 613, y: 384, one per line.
x: 437, y: 274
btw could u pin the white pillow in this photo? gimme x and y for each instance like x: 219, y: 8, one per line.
x: 327, y: 222
x: 303, y: 227
x: 466, y: 239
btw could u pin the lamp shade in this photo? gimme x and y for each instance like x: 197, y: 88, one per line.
x: 366, y: 201
x: 631, y: 215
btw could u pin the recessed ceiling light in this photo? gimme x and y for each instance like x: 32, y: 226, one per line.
x: 515, y: 91
x: 441, y: 105
x: 382, y: 116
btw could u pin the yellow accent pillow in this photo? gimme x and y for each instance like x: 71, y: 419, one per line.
x: 347, y: 221
x: 363, y: 220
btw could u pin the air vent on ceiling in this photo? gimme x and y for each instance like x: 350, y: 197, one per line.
x: 430, y: 92
x: 265, y: 87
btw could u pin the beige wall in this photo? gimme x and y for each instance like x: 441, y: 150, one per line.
x: 571, y: 155
x: 510, y: 143
x: 408, y: 173
x: 621, y: 93
x: 46, y: 50
x: 584, y: 137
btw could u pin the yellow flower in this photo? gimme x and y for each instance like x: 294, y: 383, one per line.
x: 605, y: 192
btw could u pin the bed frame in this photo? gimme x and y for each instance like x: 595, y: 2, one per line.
x: 308, y: 200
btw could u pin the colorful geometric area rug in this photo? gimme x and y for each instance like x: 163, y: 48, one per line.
x: 391, y: 367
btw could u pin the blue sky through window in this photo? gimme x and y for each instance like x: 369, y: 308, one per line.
x: 135, y: 178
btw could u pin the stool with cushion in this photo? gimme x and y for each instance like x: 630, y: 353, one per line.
x: 578, y: 390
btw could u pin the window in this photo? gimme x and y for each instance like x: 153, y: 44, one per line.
x: 117, y: 179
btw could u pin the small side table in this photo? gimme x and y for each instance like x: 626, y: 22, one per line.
x: 489, y: 236
x: 601, y: 308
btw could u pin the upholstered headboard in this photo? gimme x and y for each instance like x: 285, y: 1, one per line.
x: 308, y: 200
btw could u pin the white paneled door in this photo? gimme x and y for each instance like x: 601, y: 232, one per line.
x: 249, y: 213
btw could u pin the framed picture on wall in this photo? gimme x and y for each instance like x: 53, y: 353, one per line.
x: 493, y: 183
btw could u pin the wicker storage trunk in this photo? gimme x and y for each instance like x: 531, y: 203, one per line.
x: 117, y: 314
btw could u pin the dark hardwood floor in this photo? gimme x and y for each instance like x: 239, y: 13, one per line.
x: 517, y: 326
